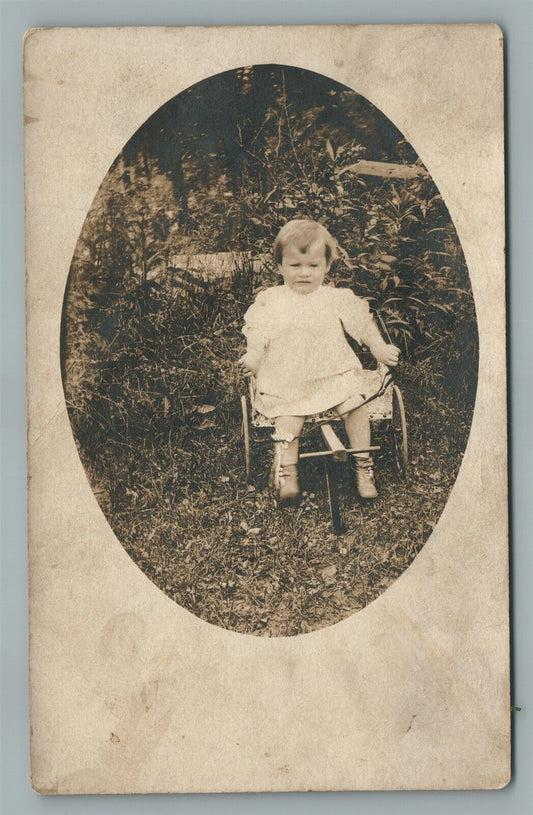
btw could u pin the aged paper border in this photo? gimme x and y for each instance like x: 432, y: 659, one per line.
x: 197, y: 708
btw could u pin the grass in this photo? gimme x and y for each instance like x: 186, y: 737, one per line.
x: 225, y: 551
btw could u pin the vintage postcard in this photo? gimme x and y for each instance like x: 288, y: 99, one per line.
x: 266, y: 366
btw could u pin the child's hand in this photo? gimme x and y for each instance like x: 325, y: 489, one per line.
x: 249, y: 362
x: 388, y: 355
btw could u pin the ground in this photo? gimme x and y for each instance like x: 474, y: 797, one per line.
x: 225, y: 551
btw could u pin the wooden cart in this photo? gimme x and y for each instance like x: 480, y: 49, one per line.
x: 385, y: 405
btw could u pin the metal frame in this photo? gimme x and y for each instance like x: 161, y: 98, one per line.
x: 335, y: 452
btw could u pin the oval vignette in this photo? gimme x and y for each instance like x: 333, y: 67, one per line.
x: 173, y: 250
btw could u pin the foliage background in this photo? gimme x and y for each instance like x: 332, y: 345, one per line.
x: 149, y: 351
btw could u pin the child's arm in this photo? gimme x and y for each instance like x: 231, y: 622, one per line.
x: 256, y: 332
x: 388, y: 355
x: 360, y: 324
x: 255, y: 348
x: 385, y: 353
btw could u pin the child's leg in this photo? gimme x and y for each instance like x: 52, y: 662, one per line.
x: 357, y: 426
x: 287, y: 431
x: 285, y: 470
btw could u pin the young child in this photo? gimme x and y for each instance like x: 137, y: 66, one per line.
x: 297, y: 348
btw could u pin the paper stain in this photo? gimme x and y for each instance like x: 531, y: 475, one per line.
x: 149, y: 694
x: 120, y: 637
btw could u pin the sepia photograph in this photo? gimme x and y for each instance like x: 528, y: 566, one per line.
x: 269, y: 350
x: 266, y: 376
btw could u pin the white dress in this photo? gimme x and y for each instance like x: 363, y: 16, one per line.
x: 307, y: 366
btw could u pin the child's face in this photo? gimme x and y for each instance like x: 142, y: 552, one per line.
x: 304, y: 272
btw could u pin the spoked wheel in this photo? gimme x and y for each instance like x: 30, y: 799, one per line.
x: 246, y: 437
x: 332, y: 481
x: 398, y: 433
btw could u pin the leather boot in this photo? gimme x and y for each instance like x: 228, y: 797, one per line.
x: 285, y: 478
x: 364, y: 477
x: 288, y: 484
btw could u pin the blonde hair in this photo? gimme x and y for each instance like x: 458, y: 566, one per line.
x: 303, y: 233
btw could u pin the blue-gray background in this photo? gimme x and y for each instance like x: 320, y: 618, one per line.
x: 515, y: 17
